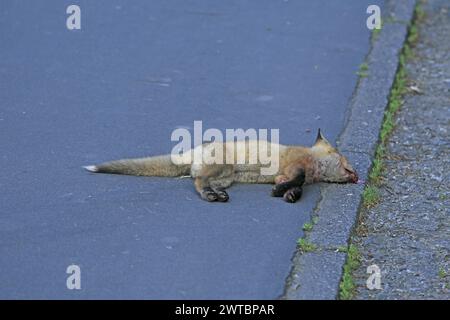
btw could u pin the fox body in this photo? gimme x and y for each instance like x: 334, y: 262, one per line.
x: 295, y: 166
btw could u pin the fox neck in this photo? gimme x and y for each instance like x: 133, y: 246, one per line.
x: 318, y: 168
x: 307, y: 159
x: 327, y: 166
x: 318, y: 164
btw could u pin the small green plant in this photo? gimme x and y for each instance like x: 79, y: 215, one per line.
x: 413, y: 32
x: 363, y: 70
x: 307, y: 226
x: 362, y: 74
x: 363, y: 67
x: 371, y: 196
x: 442, y: 273
x: 347, y: 285
x: 419, y: 12
x: 377, y: 168
x: 342, y: 249
x: 306, y: 246
x: 408, y: 53
x: 413, y: 35
x: 377, y: 165
x: 376, y: 32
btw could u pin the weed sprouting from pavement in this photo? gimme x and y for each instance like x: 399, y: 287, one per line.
x: 376, y: 32
x: 363, y: 70
x: 364, y: 67
x: 419, y: 13
x: 305, y: 245
x: 307, y: 226
x: 342, y: 249
x: 347, y: 285
x: 377, y: 168
x: 302, y: 243
x: 371, y: 196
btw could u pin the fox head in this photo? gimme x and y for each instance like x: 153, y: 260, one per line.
x: 333, y: 166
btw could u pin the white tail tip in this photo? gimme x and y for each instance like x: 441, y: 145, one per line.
x: 91, y: 168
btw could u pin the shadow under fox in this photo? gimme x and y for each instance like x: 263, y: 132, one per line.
x: 297, y: 166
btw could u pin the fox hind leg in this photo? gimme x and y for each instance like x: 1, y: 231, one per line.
x: 212, y: 180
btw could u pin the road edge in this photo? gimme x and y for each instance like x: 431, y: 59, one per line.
x: 316, y: 273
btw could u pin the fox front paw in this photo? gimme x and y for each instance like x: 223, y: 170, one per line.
x: 293, y: 194
x: 279, y: 190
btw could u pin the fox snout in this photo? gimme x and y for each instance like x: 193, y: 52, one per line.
x: 353, y: 177
x: 350, y: 174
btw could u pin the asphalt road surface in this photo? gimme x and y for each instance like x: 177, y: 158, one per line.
x: 118, y: 88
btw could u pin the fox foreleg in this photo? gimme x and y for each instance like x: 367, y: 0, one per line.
x: 290, y: 186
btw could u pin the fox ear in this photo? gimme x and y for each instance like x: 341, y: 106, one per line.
x: 320, y: 138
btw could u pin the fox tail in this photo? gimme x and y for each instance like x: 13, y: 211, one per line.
x: 158, y: 166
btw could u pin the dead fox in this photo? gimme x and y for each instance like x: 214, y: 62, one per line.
x: 297, y: 166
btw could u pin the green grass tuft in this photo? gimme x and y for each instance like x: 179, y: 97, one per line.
x: 363, y: 67
x: 371, y: 196
x: 306, y: 246
x: 308, y: 226
x: 363, y: 70
x: 419, y: 12
x: 377, y: 170
x: 376, y: 32
x: 347, y: 285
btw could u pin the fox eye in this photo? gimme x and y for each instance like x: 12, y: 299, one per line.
x: 348, y: 170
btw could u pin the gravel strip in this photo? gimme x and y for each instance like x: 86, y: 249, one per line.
x: 408, y: 234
